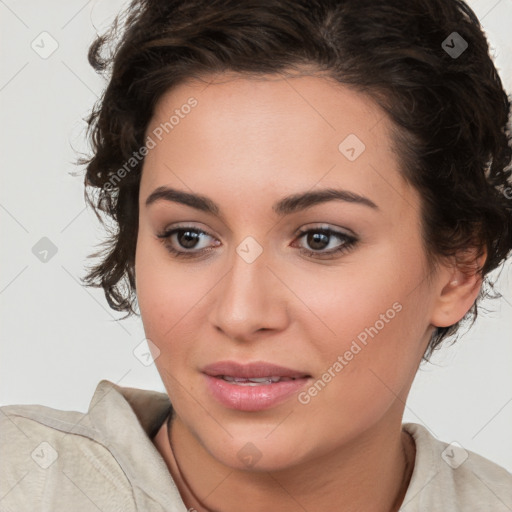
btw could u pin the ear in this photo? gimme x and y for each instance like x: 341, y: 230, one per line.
x: 458, y: 285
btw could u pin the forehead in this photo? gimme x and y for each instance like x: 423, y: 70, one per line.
x: 270, y: 133
x: 245, y: 108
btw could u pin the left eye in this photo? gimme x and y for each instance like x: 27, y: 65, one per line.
x: 319, y: 239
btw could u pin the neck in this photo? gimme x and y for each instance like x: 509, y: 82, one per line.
x: 372, y: 473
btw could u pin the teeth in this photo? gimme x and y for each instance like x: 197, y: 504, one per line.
x: 253, y: 381
x: 264, y: 379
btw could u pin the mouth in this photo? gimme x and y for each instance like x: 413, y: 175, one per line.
x: 254, y: 386
x: 258, y: 373
x: 255, y: 381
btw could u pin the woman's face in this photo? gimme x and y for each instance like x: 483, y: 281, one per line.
x: 346, y: 307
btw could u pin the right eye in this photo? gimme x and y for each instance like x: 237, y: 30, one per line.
x: 186, y: 237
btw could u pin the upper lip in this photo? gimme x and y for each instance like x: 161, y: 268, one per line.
x: 256, y: 369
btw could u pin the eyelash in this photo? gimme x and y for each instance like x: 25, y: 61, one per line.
x: 349, y: 242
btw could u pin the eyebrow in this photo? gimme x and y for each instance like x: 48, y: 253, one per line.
x: 286, y: 206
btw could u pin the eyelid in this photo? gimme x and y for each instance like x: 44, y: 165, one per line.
x: 326, y: 227
x: 186, y: 225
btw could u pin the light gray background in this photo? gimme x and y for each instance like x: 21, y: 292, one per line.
x: 58, y: 339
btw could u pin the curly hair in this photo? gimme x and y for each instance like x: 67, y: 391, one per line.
x: 449, y: 111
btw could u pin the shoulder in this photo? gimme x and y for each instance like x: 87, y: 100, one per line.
x: 448, y: 477
x: 49, y: 456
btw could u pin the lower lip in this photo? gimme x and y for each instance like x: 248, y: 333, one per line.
x: 252, y: 398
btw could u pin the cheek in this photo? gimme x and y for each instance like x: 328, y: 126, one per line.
x: 368, y: 333
x: 365, y: 374
x: 165, y: 292
x: 362, y: 297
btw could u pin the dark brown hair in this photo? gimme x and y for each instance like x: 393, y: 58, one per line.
x: 446, y: 101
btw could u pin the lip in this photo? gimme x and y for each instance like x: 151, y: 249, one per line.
x: 257, y: 369
x: 252, y: 398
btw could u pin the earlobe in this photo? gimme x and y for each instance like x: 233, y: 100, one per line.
x: 458, y: 290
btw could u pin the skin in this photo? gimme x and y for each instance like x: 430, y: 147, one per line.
x: 247, y: 144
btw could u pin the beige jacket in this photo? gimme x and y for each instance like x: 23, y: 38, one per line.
x: 104, y: 460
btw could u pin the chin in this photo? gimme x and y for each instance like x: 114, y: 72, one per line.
x: 257, y: 452
x: 256, y: 459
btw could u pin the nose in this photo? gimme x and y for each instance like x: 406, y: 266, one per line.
x: 249, y: 299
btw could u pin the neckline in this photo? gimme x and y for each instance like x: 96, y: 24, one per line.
x: 412, y: 430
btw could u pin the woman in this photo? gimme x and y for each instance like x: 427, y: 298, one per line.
x: 309, y: 198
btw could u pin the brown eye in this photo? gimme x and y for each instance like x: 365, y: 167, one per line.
x: 318, y: 239
x: 184, y: 241
x: 187, y: 239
